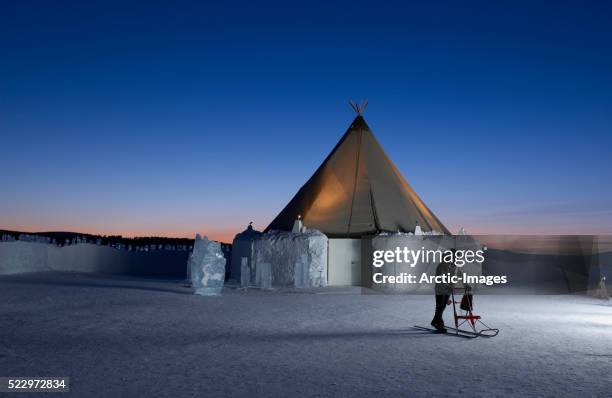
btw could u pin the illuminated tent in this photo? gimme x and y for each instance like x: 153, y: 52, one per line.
x: 357, y: 191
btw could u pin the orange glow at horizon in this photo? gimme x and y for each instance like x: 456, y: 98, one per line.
x: 226, y: 235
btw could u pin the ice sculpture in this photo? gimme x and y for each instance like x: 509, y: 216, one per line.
x: 207, y: 267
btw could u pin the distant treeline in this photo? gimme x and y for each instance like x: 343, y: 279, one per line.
x: 107, y: 240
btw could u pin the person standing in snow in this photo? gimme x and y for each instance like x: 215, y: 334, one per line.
x: 443, y: 292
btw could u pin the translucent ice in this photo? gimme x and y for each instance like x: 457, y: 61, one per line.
x: 207, y: 267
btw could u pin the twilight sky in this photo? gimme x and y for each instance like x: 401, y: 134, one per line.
x: 170, y: 119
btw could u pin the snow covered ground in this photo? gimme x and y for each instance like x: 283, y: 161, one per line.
x: 136, y: 337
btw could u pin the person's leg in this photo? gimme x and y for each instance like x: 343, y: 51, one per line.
x: 437, y: 321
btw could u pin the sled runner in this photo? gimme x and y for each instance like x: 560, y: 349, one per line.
x: 459, y: 333
x: 466, y: 317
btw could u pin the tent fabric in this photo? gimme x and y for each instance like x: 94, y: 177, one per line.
x: 357, y: 191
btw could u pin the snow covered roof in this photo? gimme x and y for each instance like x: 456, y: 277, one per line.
x: 248, y: 234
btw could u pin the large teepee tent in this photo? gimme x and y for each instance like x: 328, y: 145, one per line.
x: 357, y: 191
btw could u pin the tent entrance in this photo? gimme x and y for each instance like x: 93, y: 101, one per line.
x: 344, y: 262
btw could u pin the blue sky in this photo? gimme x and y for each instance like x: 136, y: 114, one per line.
x: 175, y: 118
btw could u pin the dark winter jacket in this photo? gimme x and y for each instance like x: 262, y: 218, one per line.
x: 445, y: 268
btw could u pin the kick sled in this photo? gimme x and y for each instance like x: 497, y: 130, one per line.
x: 467, y: 324
x: 465, y: 319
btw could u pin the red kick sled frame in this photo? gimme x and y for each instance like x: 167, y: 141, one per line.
x: 467, y: 317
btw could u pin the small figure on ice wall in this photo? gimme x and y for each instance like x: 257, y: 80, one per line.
x: 207, y: 267
x: 602, y: 291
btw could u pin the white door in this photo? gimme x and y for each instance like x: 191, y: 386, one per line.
x: 344, y: 262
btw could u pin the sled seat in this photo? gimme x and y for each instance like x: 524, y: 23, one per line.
x: 470, y: 317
